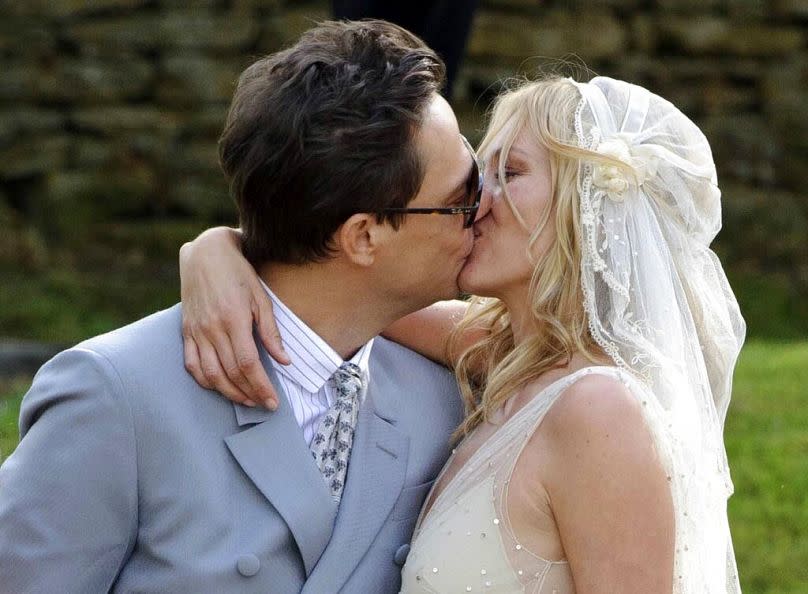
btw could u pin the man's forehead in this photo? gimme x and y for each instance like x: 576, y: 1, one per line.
x: 439, y: 123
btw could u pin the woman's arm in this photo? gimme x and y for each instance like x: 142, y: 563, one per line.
x: 608, y: 490
x: 221, y: 298
x: 427, y: 331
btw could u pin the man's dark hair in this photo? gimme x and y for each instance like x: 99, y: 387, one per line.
x: 323, y: 130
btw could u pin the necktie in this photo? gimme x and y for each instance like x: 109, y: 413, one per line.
x: 332, y: 443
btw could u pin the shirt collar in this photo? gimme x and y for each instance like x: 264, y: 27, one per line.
x: 313, y: 360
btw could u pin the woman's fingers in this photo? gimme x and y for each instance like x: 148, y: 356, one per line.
x: 214, y: 372
x: 222, y: 297
x: 222, y: 343
x: 247, y: 366
x: 192, y: 363
x: 264, y: 317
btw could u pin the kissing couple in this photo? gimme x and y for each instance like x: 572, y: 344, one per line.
x: 578, y: 446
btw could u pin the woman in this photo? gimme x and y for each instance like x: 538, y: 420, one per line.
x: 596, y: 366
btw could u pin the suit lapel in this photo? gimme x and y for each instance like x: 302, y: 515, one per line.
x: 376, y: 473
x: 275, y: 456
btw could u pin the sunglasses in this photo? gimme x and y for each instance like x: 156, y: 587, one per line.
x: 474, y: 192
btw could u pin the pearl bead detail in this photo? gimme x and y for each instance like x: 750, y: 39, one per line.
x: 486, y: 505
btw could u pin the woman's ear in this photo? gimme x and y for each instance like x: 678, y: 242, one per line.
x: 360, y: 238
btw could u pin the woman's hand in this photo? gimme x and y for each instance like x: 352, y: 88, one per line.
x: 222, y: 297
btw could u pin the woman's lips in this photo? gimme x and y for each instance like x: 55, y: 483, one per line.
x: 474, y: 247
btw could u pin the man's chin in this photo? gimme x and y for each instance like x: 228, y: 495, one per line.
x: 463, y: 284
x: 455, y: 292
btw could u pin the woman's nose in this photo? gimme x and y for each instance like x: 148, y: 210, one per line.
x: 485, y: 202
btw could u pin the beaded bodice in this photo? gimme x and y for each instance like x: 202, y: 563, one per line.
x: 465, y: 541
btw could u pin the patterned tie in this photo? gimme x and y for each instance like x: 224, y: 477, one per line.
x: 332, y: 443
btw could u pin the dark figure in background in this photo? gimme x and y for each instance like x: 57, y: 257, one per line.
x: 443, y: 24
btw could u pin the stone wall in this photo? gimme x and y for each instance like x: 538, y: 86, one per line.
x: 110, y: 109
x: 739, y: 68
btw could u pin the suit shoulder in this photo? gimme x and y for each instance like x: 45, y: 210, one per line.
x: 424, y: 382
x: 110, y: 354
x: 400, y: 360
x: 157, y: 332
x: 143, y: 364
x: 142, y: 356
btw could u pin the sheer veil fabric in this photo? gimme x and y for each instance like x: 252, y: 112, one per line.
x: 659, y: 304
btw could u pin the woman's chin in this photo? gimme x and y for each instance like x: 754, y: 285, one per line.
x: 469, y: 280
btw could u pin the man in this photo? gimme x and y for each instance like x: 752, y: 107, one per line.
x: 131, y: 477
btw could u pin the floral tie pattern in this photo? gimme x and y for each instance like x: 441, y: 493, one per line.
x: 331, y: 446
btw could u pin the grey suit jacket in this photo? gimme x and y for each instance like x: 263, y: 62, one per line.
x: 129, y: 477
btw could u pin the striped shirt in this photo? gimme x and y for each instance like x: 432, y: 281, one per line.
x: 305, y: 380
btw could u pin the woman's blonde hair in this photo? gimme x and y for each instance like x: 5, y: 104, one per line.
x: 494, y: 368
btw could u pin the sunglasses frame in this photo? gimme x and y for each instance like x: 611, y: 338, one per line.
x: 469, y: 211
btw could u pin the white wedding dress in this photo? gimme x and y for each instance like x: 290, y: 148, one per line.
x: 659, y: 305
x: 464, y: 540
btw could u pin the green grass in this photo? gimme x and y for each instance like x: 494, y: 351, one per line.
x: 53, y: 307
x: 119, y: 274
x: 767, y: 444
x: 774, y: 309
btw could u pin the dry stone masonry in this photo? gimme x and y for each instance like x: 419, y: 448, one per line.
x: 110, y: 109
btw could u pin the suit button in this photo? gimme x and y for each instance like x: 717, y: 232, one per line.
x: 401, y: 555
x: 248, y: 565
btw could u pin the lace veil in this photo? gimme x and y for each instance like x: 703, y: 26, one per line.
x: 659, y: 304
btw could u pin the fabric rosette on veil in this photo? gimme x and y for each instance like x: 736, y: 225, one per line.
x: 659, y: 304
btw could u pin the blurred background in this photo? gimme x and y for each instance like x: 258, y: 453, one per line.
x: 110, y: 111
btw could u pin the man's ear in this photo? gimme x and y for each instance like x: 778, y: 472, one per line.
x: 361, y: 237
